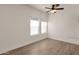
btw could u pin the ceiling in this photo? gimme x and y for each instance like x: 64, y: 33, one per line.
x: 68, y: 8
x: 41, y: 6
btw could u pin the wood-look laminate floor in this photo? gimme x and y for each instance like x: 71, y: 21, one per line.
x: 47, y: 47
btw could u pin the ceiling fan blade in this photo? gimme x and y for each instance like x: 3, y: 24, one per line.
x: 47, y: 8
x: 58, y: 8
x: 57, y: 5
x: 53, y: 6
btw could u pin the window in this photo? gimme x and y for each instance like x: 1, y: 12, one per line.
x: 43, y: 27
x: 34, y: 27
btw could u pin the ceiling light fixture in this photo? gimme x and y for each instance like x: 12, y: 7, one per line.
x: 54, y: 8
x: 53, y: 11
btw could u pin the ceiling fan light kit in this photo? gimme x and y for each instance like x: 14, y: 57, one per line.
x: 53, y: 11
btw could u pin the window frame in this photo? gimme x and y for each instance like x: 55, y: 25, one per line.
x: 37, y: 28
x: 45, y: 27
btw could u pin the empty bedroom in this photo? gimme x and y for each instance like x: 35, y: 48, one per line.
x: 39, y: 29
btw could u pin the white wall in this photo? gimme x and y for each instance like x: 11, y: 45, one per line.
x: 64, y: 25
x: 14, y: 26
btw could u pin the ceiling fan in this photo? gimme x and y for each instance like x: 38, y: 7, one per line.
x: 54, y: 8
